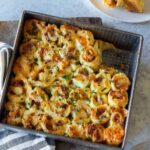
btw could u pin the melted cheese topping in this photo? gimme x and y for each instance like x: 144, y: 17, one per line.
x: 59, y: 85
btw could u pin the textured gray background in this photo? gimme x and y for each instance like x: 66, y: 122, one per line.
x: 139, y: 125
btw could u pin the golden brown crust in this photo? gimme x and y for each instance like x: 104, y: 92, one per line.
x: 130, y: 5
x: 120, y: 82
x: 134, y: 5
x: 114, y: 3
x: 76, y: 131
x: 118, y: 98
x: 90, y: 57
x: 114, y: 135
x: 95, y: 132
x: 100, y: 114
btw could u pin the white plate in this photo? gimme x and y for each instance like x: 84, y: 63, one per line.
x: 122, y: 14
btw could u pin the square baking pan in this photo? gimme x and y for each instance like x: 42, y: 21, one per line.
x: 125, y: 57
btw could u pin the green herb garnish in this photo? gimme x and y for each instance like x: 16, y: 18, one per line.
x: 35, y: 61
x: 66, y: 77
x: 28, y: 105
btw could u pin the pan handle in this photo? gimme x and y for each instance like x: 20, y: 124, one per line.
x: 86, y: 22
x: 91, y: 21
x: 5, y: 55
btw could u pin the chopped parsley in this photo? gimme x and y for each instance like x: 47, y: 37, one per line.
x: 28, y: 105
x: 66, y: 77
x: 35, y: 61
x: 103, y: 89
x: 70, y: 117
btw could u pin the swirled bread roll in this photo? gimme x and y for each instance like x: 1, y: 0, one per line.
x: 109, y: 70
x: 59, y: 108
x: 22, y: 66
x: 118, y: 115
x: 50, y: 33
x: 45, y: 52
x: 16, y: 112
x: 71, y: 53
x: 68, y: 29
x: 46, y: 123
x: 44, y: 77
x: 48, y: 109
x: 116, y: 118
x: 60, y: 91
x: 83, y: 76
x: 90, y: 57
x: 81, y: 113
x: 64, y: 64
x: 122, y: 111
x: 100, y: 46
x: 27, y: 65
x: 101, y: 83
x: 16, y: 98
x: 29, y: 47
x: 35, y: 98
x: 114, y: 134
x: 98, y: 99
x: 120, y: 82
x: 54, y: 126
x: 31, y: 118
x: 17, y: 86
x: 95, y: 132
x: 59, y: 125
x: 84, y: 39
x: 118, y: 98
x: 33, y: 29
x: 100, y: 114
x: 80, y: 94
x: 38, y: 95
x: 76, y: 131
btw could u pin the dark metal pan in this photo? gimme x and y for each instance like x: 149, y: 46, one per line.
x: 128, y: 52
